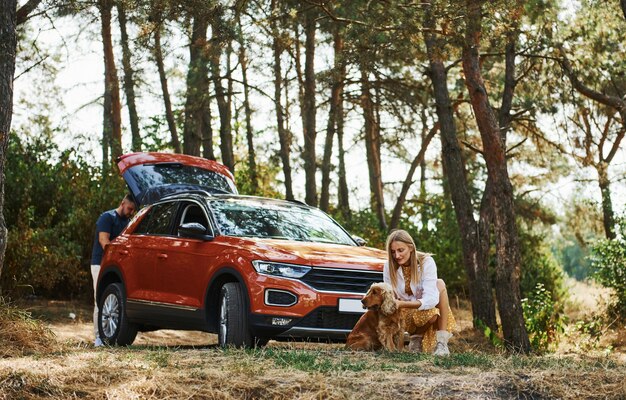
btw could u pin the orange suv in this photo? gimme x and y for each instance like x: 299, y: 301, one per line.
x: 247, y: 268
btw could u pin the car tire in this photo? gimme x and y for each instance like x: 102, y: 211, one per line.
x: 233, y: 318
x: 113, y: 325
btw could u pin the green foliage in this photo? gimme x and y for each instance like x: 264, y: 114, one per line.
x: 539, y: 266
x: 608, y: 260
x: 431, y: 223
x: 489, y: 333
x: 52, y: 201
x: 438, y: 233
x: 544, y: 318
x: 591, y: 327
x: 266, y: 176
x: 580, y: 226
x: 575, y: 259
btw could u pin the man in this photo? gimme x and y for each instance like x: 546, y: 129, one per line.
x: 109, y: 225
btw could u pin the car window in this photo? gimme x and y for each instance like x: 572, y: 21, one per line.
x: 247, y: 218
x: 142, y: 227
x: 150, y: 176
x: 192, y: 212
x: 161, y: 217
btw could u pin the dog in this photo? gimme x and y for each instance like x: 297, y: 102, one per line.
x: 381, y: 325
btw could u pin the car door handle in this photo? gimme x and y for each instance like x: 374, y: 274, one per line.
x: 162, y: 256
x: 123, y: 252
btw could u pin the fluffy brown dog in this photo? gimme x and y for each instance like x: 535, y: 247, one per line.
x: 381, y: 326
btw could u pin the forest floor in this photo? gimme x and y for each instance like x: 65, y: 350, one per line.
x: 175, y: 365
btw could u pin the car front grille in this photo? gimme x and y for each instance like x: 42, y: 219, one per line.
x: 341, y: 280
x: 328, y: 318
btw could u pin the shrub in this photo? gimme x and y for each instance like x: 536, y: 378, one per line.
x: 539, y: 266
x: 52, y: 201
x: 544, y: 318
x: 608, y: 261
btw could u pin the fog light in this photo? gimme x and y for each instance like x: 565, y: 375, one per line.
x: 281, y: 321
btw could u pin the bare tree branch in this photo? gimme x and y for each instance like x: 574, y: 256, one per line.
x: 25, y: 10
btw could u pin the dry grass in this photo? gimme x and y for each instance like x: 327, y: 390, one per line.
x: 20, y: 334
x: 282, y: 371
x: 188, y: 365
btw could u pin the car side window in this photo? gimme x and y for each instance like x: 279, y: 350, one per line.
x: 161, y: 219
x: 142, y: 227
x: 192, y: 212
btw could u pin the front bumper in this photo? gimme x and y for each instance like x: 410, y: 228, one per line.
x: 323, y: 323
x: 315, y: 314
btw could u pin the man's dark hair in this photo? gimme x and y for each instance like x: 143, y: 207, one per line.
x: 129, y: 197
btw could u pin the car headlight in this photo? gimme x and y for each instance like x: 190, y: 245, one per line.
x: 280, y: 269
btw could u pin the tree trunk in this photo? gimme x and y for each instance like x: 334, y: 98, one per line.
x: 226, y: 135
x: 372, y: 145
x: 197, y: 103
x: 328, y: 152
x: 309, y: 110
x: 507, y: 242
x: 422, y: 197
x: 8, y: 46
x: 607, y: 205
x: 254, y: 180
x: 475, y: 247
x: 129, y: 82
x: 283, y: 135
x: 169, y: 115
x: 111, y: 85
x: 207, y: 130
x: 335, y: 100
x: 107, y: 127
x: 222, y: 96
x: 343, y: 195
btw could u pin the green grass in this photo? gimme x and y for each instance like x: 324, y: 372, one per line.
x: 160, y: 357
x: 326, y: 361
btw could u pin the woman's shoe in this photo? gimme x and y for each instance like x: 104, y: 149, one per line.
x: 415, y: 343
x: 441, y: 349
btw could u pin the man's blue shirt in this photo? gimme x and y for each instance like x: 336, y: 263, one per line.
x: 109, y: 221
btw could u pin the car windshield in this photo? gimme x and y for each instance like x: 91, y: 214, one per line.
x: 150, y: 176
x: 249, y: 218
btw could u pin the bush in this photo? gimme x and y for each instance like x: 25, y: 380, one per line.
x: 544, y: 318
x: 608, y: 261
x: 540, y: 266
x: 52, y: 201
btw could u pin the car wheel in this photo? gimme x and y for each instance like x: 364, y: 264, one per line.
x: 233, y: 319
x: 113, y: 323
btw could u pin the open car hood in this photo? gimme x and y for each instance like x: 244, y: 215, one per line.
x: 152, y: 176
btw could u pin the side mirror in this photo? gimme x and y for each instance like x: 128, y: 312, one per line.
x: 359, y: 240
x: 194, y: 230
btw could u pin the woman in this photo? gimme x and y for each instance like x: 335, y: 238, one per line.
x: 421, y: 296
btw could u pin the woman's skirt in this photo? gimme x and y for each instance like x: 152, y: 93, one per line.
x: 416, y: 319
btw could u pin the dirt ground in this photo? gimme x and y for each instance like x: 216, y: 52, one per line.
x: 182, y: 365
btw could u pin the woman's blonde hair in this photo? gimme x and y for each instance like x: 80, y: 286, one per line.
x: 416, y: 260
